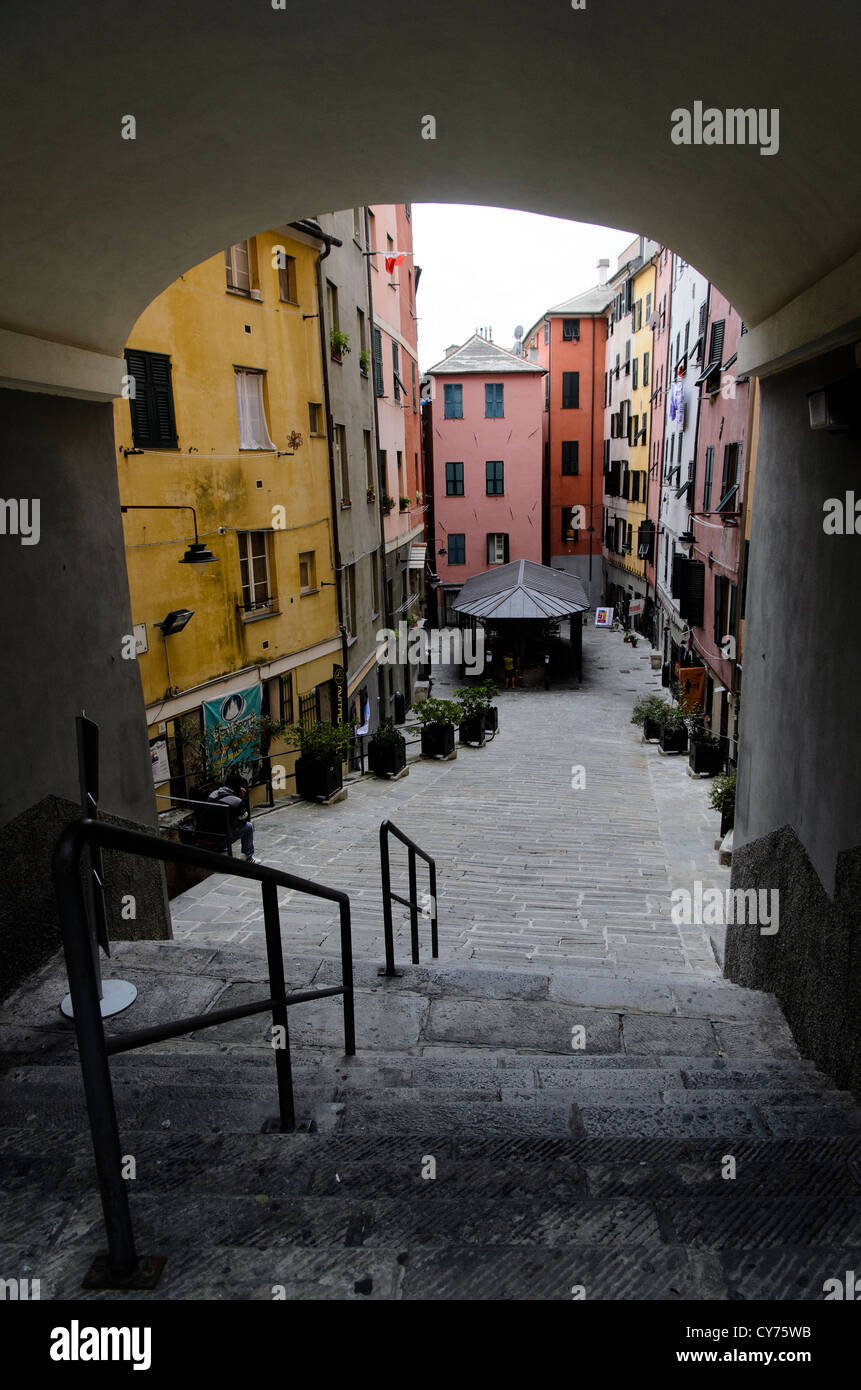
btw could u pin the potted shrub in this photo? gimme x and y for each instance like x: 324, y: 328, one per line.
x: 387, y: 750
x: 371, y: 494
x: 405, y: 504
x: 648, y: 713
x: 479, y: 715
x: 722, y: 798
x: 437, y: 718
x: 705, y: 750
x: 674, y: 730
x: 388, y: 505
x: 364, y: 361
x: 322, y: 749
x: 339, y: 343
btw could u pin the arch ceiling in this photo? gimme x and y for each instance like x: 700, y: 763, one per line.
x: 248, y: 117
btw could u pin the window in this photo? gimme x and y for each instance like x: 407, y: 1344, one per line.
x: 453, y: 396
x: 570, y: 458
x: 287, y: 716
x: 570, y: 530
x: 730, y: 480
x: 570, y: 390
x: 497, y: 548
x: 648, y: 307
x: 363, y: 331
x: 400, y: 463
x: 237, y: 264
x: 645, y: 369
x: 645, y: 540
x: 637, y: 317
x: 457, y: 548
x: 635, y: 374
x: 287, y: 280
x: 724, y: 608
x: 370, y: 480
x: 626, y: 482
x: 546, y: 333
x: 711, y: 373
x: 254, y: 571
x: 494, y: 400
x: 307, y: 571
x: 332, y: 314
x: 454, y: 480
x: 372, y: 238
x: 396, y: 367
x: 547, y: 392
x: 707, y: 482
x: 570, y: 330
x: 413, y: 370
x: 375, y: 583
x: 350, y: 599
x: 628, y: 358
x: 342, y: 466
x: 253, y: 431
x: 153, y: 422
x: 494, y: 471
x: 315, y: 417
x: 357, y: 224
x: 379, y: 388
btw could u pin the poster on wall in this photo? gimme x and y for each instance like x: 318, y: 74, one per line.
x: 603, y: 617
x: 635, y: 607
x: 232, y: 728
x: 692, y: 680
x: 160, y: 764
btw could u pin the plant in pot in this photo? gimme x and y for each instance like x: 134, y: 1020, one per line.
x: 478, y: 713
x: 674, y: 730
x: 322, y: 749
x: 371, y: 494
x: 405, y: 504
x: 364, y: 361
x: 388, y: 504
x: 339, y: 343
x: 437, y: 718
x: 722, y: 798
x: 704, y: 751
x: 387, y: 750
x: 648, y: 713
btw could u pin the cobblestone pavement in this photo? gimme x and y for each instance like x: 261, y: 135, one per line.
x: 530, y: 869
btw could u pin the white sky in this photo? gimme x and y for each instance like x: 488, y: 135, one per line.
x: 496, y: 268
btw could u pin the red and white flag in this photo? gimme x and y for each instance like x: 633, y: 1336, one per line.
x: 392, y: 261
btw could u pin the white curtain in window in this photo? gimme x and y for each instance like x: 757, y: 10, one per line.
x: 253, y: 431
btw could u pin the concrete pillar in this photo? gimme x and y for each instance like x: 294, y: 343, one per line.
x: 65, y: 610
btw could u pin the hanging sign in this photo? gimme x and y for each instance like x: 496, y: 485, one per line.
x: 339, y: 681
x: 603, y: 617
x: 232, y: 727
x: 636, y: 607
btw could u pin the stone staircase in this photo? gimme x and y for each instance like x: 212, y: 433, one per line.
x: 467, y: 1151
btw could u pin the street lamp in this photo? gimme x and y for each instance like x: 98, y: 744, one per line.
x: 197, y: 553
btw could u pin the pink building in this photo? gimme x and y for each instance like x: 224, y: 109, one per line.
x: 486, y: 426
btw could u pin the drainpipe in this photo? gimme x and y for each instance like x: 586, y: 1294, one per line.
x: 382, y: 483
x: 311, y: 228
x: 592, y: 459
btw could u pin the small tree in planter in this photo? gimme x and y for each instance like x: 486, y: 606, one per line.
x: 437, y: 718
x: 674, y: 730
x: 387, y: 750
x: 478, y: 714
x: 339, y: 343
x: 722, y: 798
x: 364, y: 361
x: 322, y: 749
x: 705, y: 750
x: 648, y: 713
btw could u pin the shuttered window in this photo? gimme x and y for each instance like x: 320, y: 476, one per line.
x: 254, y: 571
x: 153, y: 421
x: 494, y: 477
x: 237, y: 266
x: 457, y: 548
x: 570, y: 390
x: 570, y: 458
x: 707, y: 481
x: 693, y: 590
x: 454, y: 480
x: 494, y: 400
x: 379, y: 388
x: 453, y: 396
x: 570, y: 330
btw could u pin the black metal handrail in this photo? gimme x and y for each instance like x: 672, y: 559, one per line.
x: 386, y: 829
x: 122, y: 1268
x: 187, y: 801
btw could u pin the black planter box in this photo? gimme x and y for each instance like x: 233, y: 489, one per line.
x: 674, y: 740
x: 727, y: 820
x: 316, y: 780
x: 651, y: 730
x: 491, y: 720
x: 437, y: 740
x: 705, y: 759
x: 387, y: 759
x: 472, y: 730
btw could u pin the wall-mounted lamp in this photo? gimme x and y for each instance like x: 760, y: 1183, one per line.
x: 197, y: 553
x: 828, y: 407
x: 175, y: 621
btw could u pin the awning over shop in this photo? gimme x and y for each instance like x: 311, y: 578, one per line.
x: 522, y: 589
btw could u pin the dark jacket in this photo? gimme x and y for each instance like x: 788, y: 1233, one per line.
x: 211, y: 821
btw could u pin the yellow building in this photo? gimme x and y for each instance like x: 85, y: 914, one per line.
x: 225, y: 414
x: 635, y: 479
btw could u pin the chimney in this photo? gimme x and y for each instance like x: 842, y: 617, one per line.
x: 603, y: 267
x: 452, y: 348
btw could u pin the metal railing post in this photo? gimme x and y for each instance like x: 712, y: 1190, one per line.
x: 95, y: 1071
x: 278, y: 992
x: 387, y: 899
x: 434, y: 932
x: 347, y: 980
x: 414, y: 907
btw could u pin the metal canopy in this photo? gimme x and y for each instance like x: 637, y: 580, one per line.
x: 522, y: 589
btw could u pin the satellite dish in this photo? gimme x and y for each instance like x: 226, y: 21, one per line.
x: 518, y: 332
